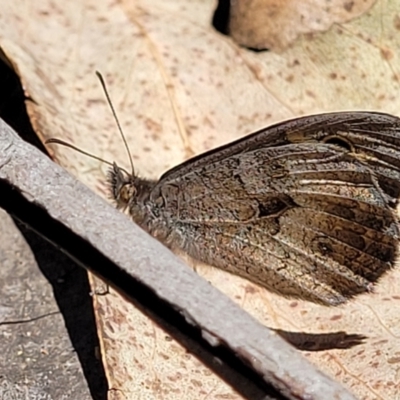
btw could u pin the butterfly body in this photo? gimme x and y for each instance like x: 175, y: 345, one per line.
x: 305, y: 208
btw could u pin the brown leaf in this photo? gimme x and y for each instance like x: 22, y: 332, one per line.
x: 180, y: 88
x: 276, y: 24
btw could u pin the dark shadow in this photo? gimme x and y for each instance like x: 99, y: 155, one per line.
x: 69, y: 282
x: 221, y: 15
x: 12, y: 105
x: 321, y: 341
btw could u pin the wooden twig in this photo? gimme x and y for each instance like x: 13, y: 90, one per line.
x: 256, y: 361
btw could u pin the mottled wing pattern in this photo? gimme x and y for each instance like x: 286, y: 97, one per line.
x: 305, y: 208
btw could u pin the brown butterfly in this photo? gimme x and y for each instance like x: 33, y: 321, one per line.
x: 305, y: 208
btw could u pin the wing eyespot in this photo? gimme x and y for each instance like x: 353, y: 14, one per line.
x: 340, y: 142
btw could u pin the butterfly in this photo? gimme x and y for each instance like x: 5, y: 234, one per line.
x: 306, y: 208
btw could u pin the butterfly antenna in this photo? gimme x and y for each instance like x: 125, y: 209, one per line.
x: 103, y: 85
x: 71, y: 146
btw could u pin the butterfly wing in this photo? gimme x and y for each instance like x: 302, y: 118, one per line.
x: 306, y: 210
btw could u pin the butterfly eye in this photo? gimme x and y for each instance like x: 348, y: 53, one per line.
x: 340, y: 142
x: 128, y: 191
x: 131, y: 191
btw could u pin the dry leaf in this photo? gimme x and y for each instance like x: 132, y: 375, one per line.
x: 180, y: 88
x: 276, y: 24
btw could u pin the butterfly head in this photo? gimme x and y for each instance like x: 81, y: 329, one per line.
x: 123, y: 186
x: 127, y: 189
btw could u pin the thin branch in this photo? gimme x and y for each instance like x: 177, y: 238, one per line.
x: 254, y: 360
